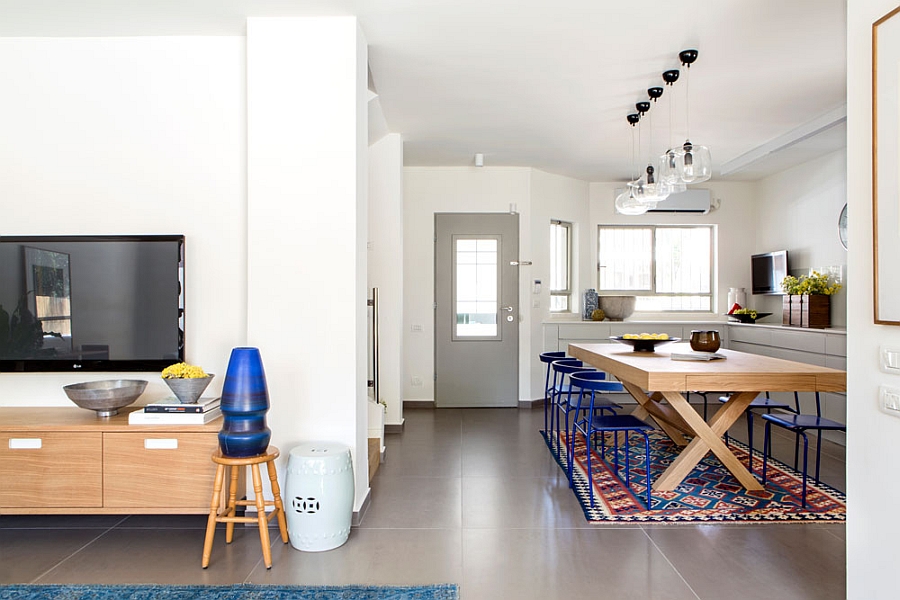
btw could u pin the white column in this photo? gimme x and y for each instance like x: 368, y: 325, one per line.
x: 386, y: 265
x: 306, y: 219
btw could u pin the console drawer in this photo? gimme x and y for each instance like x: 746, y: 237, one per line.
x: 158, y: 470
x: 41, y: 469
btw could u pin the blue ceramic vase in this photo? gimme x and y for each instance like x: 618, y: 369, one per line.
x: 245, y: 401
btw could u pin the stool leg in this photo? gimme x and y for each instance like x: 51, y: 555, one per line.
x: 213, y: 513
x: 231, y: 510
x: 261, y: 516
x: 279, y: 505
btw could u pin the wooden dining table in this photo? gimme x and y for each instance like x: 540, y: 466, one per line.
x: 657, y: 382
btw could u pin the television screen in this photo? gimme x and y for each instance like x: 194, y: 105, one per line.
x: 767, y: 272
x: 93, y: 303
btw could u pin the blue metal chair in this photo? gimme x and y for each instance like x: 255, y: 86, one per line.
x: 799, y: 424
x: 591, y: 385
x: 547, y: 358
x: 560, y: 394
x: 768, y: 404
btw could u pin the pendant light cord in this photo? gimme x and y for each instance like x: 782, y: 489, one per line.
x: 687, y: 102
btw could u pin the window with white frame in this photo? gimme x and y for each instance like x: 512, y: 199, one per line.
x: 668, y: 267
x: 560, y: 266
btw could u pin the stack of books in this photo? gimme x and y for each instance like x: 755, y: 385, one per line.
x: 170, y: 411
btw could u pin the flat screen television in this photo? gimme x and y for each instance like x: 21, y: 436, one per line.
x: 767, y: 272
x: 91, y: 303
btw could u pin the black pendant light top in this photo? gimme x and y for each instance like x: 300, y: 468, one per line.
x: 670, y: 76
x: 655, y: 93
x: 687, y: 57
x: 634, y: 118
x: 642, y: 107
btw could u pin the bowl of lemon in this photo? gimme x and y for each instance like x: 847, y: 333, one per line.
x: 644, y: 342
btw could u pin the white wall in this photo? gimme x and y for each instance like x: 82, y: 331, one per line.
x: 149, y: 135
x: 307, y: 223
x: 386, y: 265
x: 565, y: 199
x: 132, y: 135
x: 798, y: 211
x: 872, y: 471
x: 428, y: 190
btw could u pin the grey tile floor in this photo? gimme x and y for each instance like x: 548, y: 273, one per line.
x: 468, y: 496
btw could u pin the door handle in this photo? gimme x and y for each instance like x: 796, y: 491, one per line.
x: 508, y: 308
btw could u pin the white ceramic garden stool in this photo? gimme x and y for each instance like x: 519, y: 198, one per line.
x: 319, y: 496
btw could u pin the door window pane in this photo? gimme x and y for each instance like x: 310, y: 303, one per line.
x: 476, y: 280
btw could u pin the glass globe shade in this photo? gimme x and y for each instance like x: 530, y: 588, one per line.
x: 626, y: 204
x: 693, y: 163
x: 648, y: 193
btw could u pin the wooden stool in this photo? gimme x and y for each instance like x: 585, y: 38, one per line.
x: 228, y: 515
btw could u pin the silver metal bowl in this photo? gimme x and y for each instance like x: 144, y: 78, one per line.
x: 105, y: 397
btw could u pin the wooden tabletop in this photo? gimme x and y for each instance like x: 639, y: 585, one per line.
x: 64, y: 418
x: 739, y: 371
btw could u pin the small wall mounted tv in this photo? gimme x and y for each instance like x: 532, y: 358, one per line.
x: 768, y: 270
x: 91, y: 303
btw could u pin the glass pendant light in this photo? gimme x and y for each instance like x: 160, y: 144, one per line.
x: 692, y: 162
x: 667, y: 171
x: 647, y: 189
x: 626, y: 203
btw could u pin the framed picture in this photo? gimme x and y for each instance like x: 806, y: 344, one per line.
x: 886, y: 166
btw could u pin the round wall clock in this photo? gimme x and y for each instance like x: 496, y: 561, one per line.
x: 842, y: 227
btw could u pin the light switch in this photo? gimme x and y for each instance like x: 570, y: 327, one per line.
x: 889, y: 400
x: 536, y: 303
x: 890, y: 360
x: 536, y: 287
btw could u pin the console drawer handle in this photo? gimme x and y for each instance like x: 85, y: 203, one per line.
x: 25, y: 443
x: 161, y: 444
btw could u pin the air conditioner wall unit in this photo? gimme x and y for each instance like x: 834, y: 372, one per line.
x: 689, y: 201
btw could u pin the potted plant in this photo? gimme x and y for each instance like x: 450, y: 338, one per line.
x: 807, y: 302
x: 186, y: 381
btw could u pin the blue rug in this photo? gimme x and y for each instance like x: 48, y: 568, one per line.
x: 229, y: 592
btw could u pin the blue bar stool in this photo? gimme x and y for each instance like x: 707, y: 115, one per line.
x: 799, y: 424
x: 547, y: 358
x: 591, y: 385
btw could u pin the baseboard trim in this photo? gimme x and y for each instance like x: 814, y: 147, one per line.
x: 394, y: 428
x: 529, y: 404
x: 418, y: 404
x: 358, y: 515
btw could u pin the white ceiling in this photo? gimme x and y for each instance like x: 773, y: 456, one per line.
x: 548, y: 84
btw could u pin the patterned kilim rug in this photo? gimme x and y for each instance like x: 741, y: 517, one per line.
x: 709, y: 494
x: 230, y: 592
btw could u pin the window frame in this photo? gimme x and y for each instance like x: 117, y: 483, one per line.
x: 653, y: 264
x: 567, y: 292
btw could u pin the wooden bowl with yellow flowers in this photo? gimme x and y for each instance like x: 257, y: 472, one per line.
x: 187, y: 382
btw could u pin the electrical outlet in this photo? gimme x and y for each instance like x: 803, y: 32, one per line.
x: 416, y: 381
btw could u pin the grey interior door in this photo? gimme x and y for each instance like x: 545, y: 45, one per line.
x: 476, y: 317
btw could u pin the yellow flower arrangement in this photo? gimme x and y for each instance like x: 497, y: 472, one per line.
x: 814, y: 285
x: 183, y: 371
